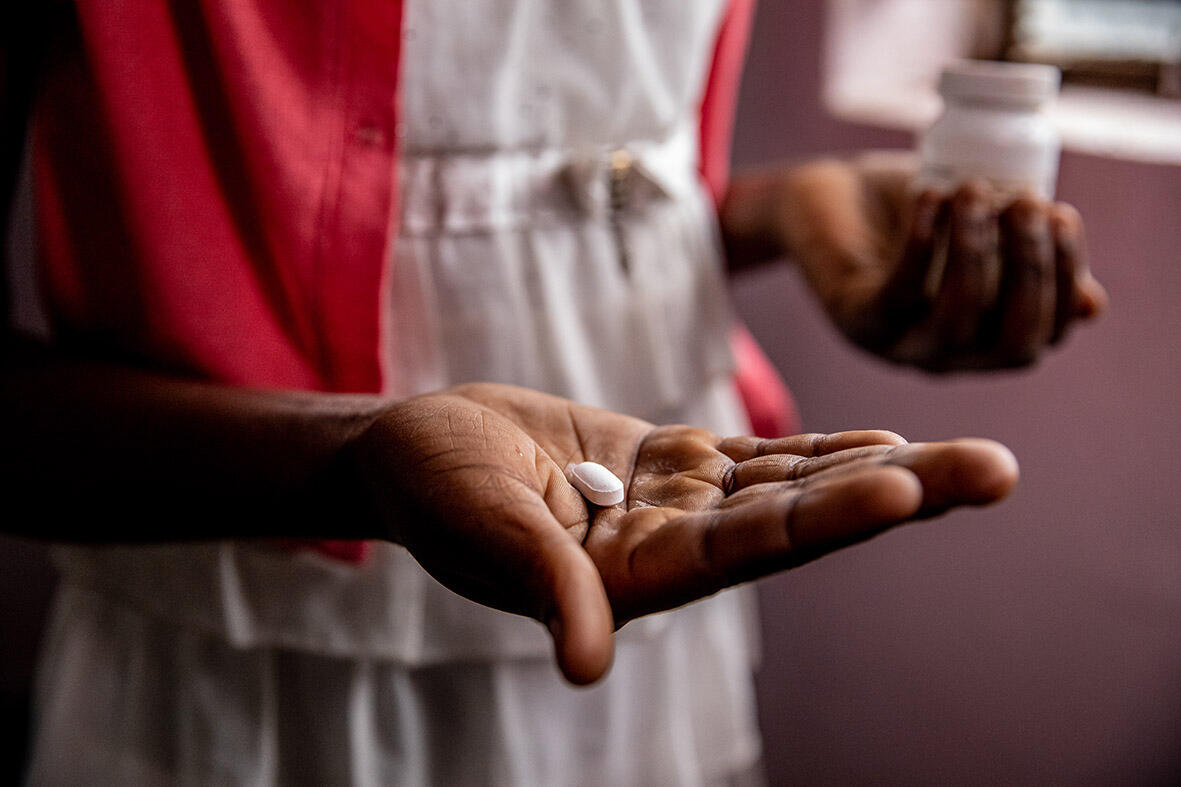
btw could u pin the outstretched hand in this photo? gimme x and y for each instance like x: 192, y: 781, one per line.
x: 939, y: 281
x: 473, y: 483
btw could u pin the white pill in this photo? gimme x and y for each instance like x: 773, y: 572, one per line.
x: 597, y: 484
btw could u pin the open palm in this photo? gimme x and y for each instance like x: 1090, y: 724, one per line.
x: 473, y: 482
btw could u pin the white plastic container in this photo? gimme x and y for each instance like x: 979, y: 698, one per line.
x: 995, y: 126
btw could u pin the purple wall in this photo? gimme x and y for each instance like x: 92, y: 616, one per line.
x: 1035, y: 642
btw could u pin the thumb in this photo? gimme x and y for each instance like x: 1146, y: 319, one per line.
x: 1090, y: 298
x: 578, y: 614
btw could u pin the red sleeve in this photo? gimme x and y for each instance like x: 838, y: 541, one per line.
x: 721, y: 95
x: 768, y: 403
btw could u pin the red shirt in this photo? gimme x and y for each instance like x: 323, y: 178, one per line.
x: 216, y: 180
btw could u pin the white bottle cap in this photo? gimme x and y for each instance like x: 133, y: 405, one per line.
x: 991, y: 81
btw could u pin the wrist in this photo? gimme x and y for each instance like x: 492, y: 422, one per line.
x: 752, y: 218
x: 335, y: 501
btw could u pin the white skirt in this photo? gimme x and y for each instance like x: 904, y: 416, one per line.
x: 128, y: 698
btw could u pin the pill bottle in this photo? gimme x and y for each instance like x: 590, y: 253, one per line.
x: 995, y: 126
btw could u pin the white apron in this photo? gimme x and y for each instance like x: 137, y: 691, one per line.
x: 553, y: 233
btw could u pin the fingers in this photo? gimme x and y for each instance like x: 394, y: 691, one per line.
x: 1027, y: 302
x: 574, y: 606
x: 1069, y: 262
x: 513, y: 542
x: 902, y: 302
x: 1091, y: 298
x: 691, y: 556
x: 846, y: 511
x: 957, y: 472
x: 906, y: 285
x: 977, y: 289
x: 773, y: 468
x: 519, y: 559
x: 740, y: 449
x: 1079, y: 295
x: 655, y: 558
x: 969, y: 283
x: 579, y: 616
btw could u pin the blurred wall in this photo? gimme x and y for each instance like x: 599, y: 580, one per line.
x: 1035, y: 642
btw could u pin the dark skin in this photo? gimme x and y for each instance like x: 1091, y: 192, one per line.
x: 471, y: 480
x: 473, y: 483
x: 944, y: 282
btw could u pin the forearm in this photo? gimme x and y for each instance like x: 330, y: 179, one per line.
x: 771, y: 213
x: 749, y: 217
x: 807, y: 210
x: 153, y: 457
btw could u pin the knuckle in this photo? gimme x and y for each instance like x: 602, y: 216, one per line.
x: 794, y: 467
x: 730, y: 480
x: 1025, y: 211
x: 1066, y: 222
x: 1067, y: 214
x: 929, y: 198
x: 975, y: 190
